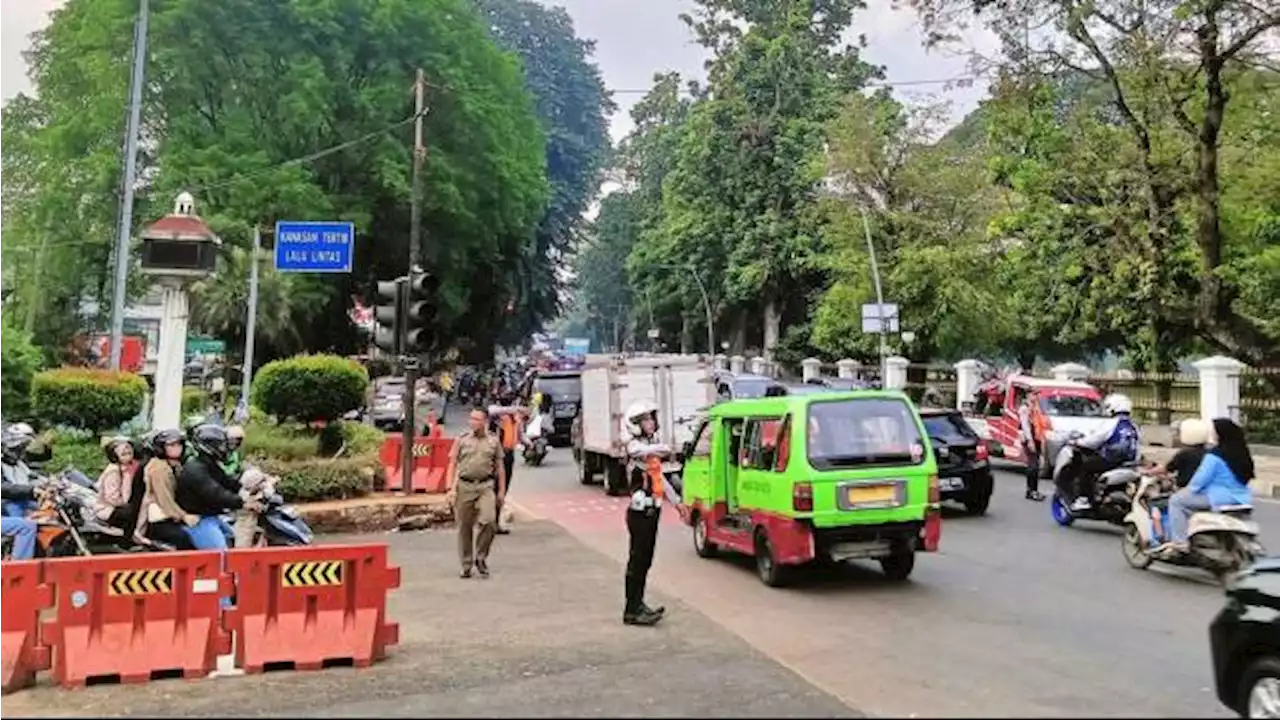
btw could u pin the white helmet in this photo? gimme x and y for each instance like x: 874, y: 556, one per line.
x: 1193, y: 431
x: 23, y: 429
x: 1116, y: 404
x: 636, y: 411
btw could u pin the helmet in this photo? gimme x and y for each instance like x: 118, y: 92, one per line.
x: 13, y: 445
x: 21, y: 428
x: 111, y: 447
x: 156, y: 441
x: 211, y: 441
x: 1117, y: 404
x: 636, y: 411
x: 235, y: 436
x: 1193, y: 431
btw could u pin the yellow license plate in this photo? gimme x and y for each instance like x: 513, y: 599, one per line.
x: 872, y: 494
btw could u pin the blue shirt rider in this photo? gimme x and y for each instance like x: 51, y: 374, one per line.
x: 1115, y: 443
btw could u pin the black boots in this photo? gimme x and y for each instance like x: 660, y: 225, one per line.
x: 644, y: 615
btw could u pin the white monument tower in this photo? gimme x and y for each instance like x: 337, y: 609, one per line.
x: 177, y: 250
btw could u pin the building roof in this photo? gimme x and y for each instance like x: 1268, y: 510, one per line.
x: 188, y: 227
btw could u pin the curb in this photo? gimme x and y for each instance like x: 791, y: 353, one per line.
x: 521, y: 513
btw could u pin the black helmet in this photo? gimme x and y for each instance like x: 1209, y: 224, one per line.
x: 211, y: 441
x: 158, y: 439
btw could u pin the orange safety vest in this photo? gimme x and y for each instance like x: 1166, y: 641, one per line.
x: 435, y: 431
x: 653, y: 468
x: 508, y: 428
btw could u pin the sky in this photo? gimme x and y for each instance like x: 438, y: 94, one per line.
x: 634, y: 40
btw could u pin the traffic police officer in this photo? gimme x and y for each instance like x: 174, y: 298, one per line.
x: 644, y: 472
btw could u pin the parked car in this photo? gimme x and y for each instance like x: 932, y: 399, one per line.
x: 964, y: 463
x: 1244, y: 640
x: 387, y: 408
x: 730, y: 386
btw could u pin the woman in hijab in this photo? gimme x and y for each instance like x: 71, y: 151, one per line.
x: 1222, y: 479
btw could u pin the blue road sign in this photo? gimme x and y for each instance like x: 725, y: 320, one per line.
x: 317, y: 247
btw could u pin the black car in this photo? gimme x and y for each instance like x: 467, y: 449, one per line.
x: 964, y: 465
x: 1245, y: 641
x: 562, y: 399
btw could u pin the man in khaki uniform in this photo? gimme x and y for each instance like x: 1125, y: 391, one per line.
x: 475, y: 461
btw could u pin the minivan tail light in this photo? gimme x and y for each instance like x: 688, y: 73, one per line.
x: 935, y: 493
x: 802, y: 497
x: 983, y: 452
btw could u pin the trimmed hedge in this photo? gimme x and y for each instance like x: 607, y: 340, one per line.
x: 87, y: 398
x: 19, y: 362
x: 322, y: 479
x: 310, y: 387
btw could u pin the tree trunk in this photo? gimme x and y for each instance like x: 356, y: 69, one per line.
x: 686, y: 335
x: 738, y: 335
x: 772, y: 325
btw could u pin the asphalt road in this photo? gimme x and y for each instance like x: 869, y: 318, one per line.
x: 542, y: 638
x: 1014, y: 616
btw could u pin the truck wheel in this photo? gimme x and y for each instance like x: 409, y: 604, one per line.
x: 585, y: 476
x: 615, y: 477
x: 704, y: 547
x: 898, y: 566
x: 767, y: 567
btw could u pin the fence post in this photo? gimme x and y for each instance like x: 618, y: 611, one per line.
x: 1219, y: 387
x: 895, y: 373
x: 759, y: 366
x: 737, y: 364
x: 968, y: 378
x: 811, y: 369
x: 1070, y: 372
x: 847, y: 369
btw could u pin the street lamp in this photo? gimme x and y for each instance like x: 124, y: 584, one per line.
x: 706, y: 304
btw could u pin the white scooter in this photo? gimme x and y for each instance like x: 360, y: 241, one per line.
x: 1223, y: 542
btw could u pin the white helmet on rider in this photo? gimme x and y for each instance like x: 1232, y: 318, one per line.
x: 1193, y: 431
x: 22, y: 429
x: 1117, y: 404
x: 636, y: 412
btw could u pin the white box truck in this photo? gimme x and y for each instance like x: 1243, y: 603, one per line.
x: 678, y: 385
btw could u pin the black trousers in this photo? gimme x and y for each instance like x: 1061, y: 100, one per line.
x: 171, y: 533
x: 642, y: 526
x: 1082, y: 474
x: 1033, y: 467
x: 509, y: 464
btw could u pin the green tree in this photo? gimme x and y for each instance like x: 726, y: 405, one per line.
x: 574, y: 106
x: 239, y: 90
x: 19, y: 361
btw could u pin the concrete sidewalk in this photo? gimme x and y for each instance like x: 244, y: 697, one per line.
x: 542, y: 638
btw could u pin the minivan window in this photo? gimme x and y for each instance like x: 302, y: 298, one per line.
x: 855, y: 432
x: 1070, y: 406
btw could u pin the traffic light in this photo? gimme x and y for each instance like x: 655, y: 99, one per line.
x: 420, y: 316
x: 388, y: 318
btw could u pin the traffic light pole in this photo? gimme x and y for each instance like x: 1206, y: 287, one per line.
x: 415, y: 262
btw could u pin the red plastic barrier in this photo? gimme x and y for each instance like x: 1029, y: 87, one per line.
x: 310, y: 605
x: 132, y: 616
x: 430, y: 463
x: 24, y: 597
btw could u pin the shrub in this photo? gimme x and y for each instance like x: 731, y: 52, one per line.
x: 362, y: 439
x: 279, y: 442
x: 323, y: 479
x: 87, y: 398
x: 84, y: 454
x: 310, y: 387
x: 19, y: 361
x: 194, y: 401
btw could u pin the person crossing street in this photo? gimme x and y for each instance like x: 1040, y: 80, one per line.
x: 507, y: 414
x: 477, y: 484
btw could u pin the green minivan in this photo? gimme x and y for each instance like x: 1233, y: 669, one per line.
x: 830, y: 476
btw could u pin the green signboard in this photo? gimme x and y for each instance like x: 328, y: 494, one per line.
x: 206, y: 346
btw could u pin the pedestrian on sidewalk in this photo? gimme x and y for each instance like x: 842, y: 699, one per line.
x: 475, y: 469
x: 431, y: 427
x: 508, y: 414
x: 645, y: 453
x: 1030, y: 447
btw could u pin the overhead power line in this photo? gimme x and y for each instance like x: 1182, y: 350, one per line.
x: 871, y: 84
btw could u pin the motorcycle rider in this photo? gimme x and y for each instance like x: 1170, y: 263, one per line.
x: 205, y: 490
x: 160, y: 517
x: 18, y: 495
x: 234, y: 463
x: 1113, y: 445
x: 13, y: 447
x: 1222, y: 479
x: 645, y: 509
x: 117, y: 500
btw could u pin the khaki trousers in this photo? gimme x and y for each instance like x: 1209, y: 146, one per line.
x: 246, y: 528
x: 476, y: 504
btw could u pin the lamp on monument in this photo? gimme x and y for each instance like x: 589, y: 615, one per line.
x: 179, y: 245
x: 177, y: 250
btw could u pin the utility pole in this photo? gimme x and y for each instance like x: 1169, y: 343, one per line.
x: 251, y: 324
x: 130, y: 172
x: 875, y: 274
x: 415, y: 263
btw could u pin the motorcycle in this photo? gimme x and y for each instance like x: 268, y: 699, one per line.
x: 1113, y: 490
x: 66, y: 525
x: 1223, y: 542
x: 279, y: 525
x: 535, y: 445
